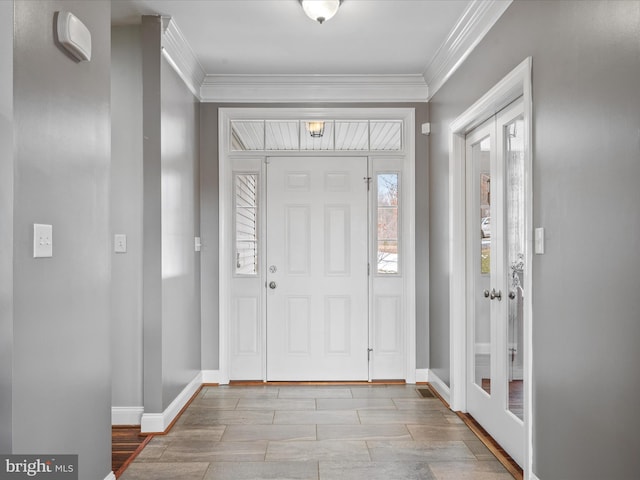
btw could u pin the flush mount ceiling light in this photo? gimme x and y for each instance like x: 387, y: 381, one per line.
x: 320, y: 10
x: 315, y: 129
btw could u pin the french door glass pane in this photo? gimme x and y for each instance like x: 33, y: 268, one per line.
x: 481, y: 157
x: 515, y: 244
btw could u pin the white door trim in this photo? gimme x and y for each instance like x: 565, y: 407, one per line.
x: 225, y: 221
x: 517, y: 83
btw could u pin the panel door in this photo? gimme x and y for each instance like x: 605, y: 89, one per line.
x: 317, y: 284
x: 495, y: 266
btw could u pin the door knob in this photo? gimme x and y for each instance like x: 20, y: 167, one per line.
x: 495, y: 294
x: 512, y: 295
x: 272, y: 285
x: 486, y: 294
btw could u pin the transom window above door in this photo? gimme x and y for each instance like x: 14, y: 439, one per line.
x: 316, y: 135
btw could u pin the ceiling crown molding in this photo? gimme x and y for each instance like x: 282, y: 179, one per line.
x: 473, y: 25
x: 314, y: 88
x: 180, y: 55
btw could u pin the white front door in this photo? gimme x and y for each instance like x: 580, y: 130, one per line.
x: 316, y: 277
x: 495, y: 280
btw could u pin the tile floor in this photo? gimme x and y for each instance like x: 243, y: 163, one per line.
x: 386, y: 432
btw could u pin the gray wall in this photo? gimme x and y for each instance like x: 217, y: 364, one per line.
x: 586, y: 122
x: 180, y: 225
x: 209, y: 224
x: 209, y: 235
x: 6, y: 220
x: 171, y: 273
x: 126, y: 215
x: 62, y: 373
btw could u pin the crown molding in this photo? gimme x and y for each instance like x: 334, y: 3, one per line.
x: 313, y: 88
x: 472, y: 26
x: 470, y: 29
x: 180, y: 56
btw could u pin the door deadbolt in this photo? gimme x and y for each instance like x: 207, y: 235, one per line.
x: 272, y: 285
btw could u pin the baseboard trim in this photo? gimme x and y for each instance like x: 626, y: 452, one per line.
x: 422, y: 375
x: 126, y: 415
x: 440, y: 386
x: 211, y: 377
x: 111, y: 476
x: 159, y: 422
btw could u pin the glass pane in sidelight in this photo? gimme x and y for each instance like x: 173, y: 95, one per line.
x: 387, y: 207
x: 246, y: 223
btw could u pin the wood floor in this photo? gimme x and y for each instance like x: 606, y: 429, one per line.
x: 126, y: 443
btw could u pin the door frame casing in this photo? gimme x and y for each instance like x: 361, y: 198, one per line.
x: 225, y: 114
x: 517, y: 83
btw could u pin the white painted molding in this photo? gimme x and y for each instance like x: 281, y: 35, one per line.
x: 532, y: 476
x: 159, y: 422
x: 314, y: 88
x: 439, y: 385
x: 422, y: 375
x: 126, y: 415
x: 152, y: 423
x: 211, y: 376
x: 180, y: 56
x: 111, y: 476
x: 473, y: 25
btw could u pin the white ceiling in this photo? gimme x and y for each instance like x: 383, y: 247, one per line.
x: 268, y: 37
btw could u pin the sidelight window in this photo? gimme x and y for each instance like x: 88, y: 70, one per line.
x: 246, y: 223
x: 387, y: 210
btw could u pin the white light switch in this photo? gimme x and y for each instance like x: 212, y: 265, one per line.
x: 197, y: 244
x: 42, y: 240
x: 120, y: 243
x: 539, y: 241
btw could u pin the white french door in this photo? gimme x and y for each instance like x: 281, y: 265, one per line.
x: 316, y: 277
x: 495, y: 243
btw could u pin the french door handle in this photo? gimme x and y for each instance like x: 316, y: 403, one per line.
x: 495, y: 294
x: 272, y: 285
x: 486, y: 294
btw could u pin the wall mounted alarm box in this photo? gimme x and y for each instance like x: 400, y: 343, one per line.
x: 74, y: 36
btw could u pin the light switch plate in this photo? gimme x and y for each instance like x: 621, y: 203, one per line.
x: 120, y: 243
x: 539, y: 241
x: 197, y: 244
x: 42, y: 240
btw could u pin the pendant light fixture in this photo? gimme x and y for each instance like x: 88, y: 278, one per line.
x: 315, y: 129
x: 320, y: 10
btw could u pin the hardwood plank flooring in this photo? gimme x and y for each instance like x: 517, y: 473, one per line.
x: 126, y: 443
